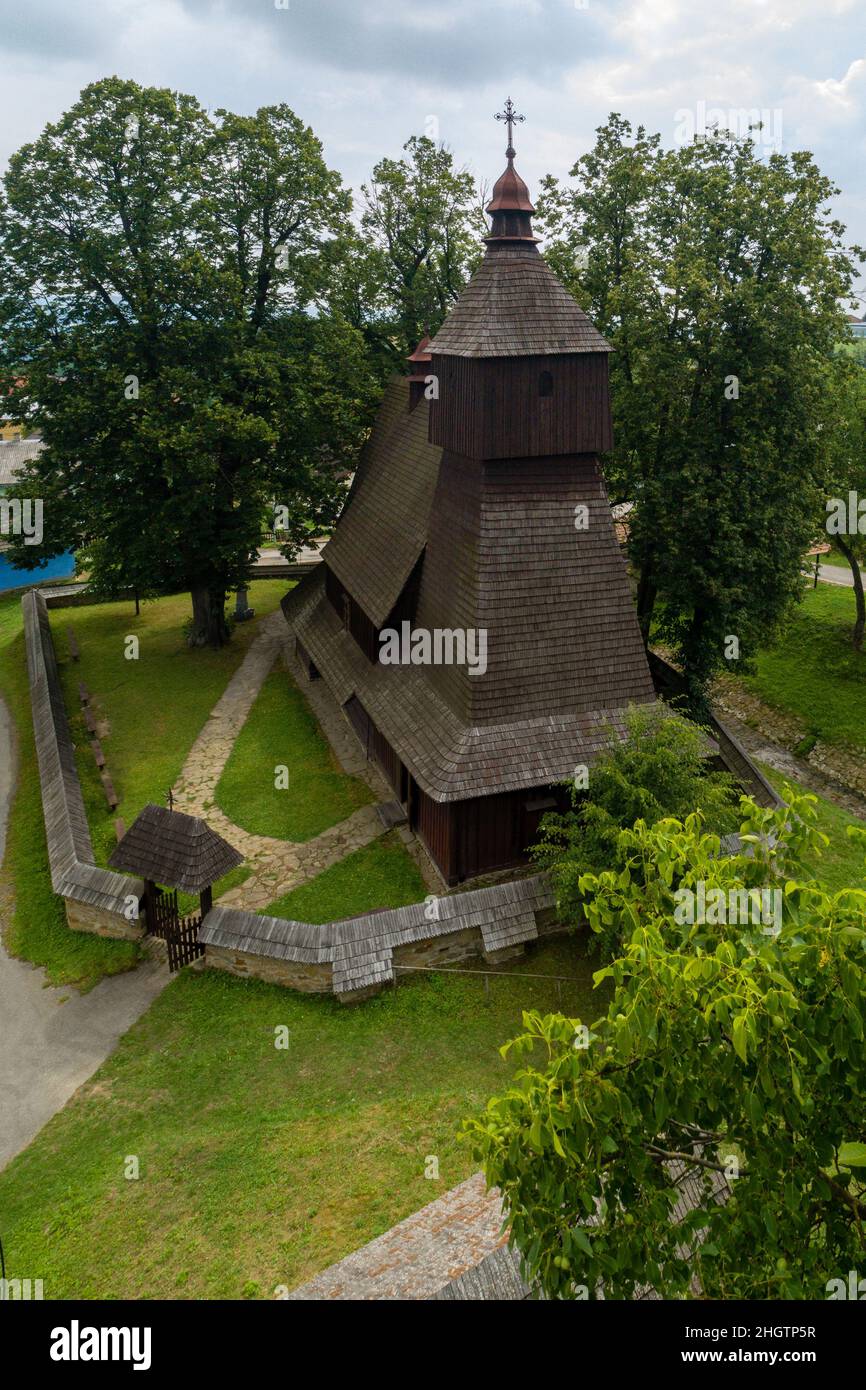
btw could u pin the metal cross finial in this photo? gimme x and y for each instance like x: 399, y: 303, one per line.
x: 509, y: 115
x: 170, y: 799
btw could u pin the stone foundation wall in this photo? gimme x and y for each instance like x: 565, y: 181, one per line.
x: 440, y: 950
x: 83, y: 917
x: 310, y: 979
x: 357, y: 957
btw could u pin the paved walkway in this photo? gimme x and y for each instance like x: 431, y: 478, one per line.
x: 835, y: 574
x: 53, y: 1039
x: 277, y: 865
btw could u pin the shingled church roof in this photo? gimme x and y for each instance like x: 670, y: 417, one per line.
x: 382, y: 533
x: 490, y: 544
x: 514, y: 306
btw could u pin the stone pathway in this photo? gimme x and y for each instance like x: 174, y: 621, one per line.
x: 277, y: 865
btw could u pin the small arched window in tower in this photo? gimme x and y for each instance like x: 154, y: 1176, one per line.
x: 545, y: 384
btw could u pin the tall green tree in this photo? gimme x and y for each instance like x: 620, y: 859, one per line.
x: 658, y: 770
x: 162, y: 277
x: 718, y: 277
x: 421, y: 226
x: 844, y: 522
x: 732, y: 1053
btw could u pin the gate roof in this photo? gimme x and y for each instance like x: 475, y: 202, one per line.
x: 174, y: 849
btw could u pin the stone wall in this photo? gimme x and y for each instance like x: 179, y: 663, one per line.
x: 440, y: 950
x: 309, y: 979
x: 86, y: 917
x: 357, y: 957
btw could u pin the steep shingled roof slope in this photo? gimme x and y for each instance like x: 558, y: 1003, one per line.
x: 514, y: 306
x: 383, y: 528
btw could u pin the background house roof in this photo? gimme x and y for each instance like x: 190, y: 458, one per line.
x: 15, y: 454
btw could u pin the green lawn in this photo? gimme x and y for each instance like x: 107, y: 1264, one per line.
x: 258, y: 1166
x: 381, y: 874
x: 281, y: 731
x: 833, y: 558
x: 813, y: 670
x: 842, y: 863
x: 155, y: 708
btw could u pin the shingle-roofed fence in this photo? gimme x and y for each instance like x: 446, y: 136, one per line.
x: 356, y: 957
x: 96, y: 899
x: 351, y: 959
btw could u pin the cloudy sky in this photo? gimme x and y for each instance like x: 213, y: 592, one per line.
x: 368, y: 73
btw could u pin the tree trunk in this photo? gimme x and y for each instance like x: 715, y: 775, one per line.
x: 646, y: 600
x: 696, y: 662
x: 860, y: 624
x: 209, y: 626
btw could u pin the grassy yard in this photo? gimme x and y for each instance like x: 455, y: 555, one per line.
x: 842, y: 863
x: 381, y: 874
x: 155, y: 708
x: 259, y: 1167
x: 282, y: 731
x: 814, y: 672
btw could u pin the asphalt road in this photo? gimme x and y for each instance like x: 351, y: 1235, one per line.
x: 52, y: 1040
x: 835, y: 574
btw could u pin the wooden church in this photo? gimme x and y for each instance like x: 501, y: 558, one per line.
x: 483, y: 510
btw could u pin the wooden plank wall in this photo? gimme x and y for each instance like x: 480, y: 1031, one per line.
x: 492, y: 407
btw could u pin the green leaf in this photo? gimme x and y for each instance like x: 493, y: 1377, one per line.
x: 739, y: 1037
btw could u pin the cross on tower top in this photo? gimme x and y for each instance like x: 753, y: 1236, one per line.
x: 509, y: 115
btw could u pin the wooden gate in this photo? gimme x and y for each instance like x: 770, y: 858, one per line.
x: 180, y: 934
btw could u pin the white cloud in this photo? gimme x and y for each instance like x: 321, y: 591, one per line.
x: 366, y: 73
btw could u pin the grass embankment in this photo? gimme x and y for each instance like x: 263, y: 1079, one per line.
x: 282, y: 733
x: 841, y: 865
x: 34, y: 919
x: 258, y: 1166
x: 814, y: 672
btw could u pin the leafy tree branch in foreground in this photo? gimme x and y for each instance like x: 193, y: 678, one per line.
x: 730, y: 1049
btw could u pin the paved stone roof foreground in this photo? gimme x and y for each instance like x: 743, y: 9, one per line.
x: 455, y: 1249
x: 421, y: 1256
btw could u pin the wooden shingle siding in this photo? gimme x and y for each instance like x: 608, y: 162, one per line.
x: 449, y: 759
x: 352, y: 616
x: 175, y: 849
x: 514, y: 306
x: 504, y: 556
